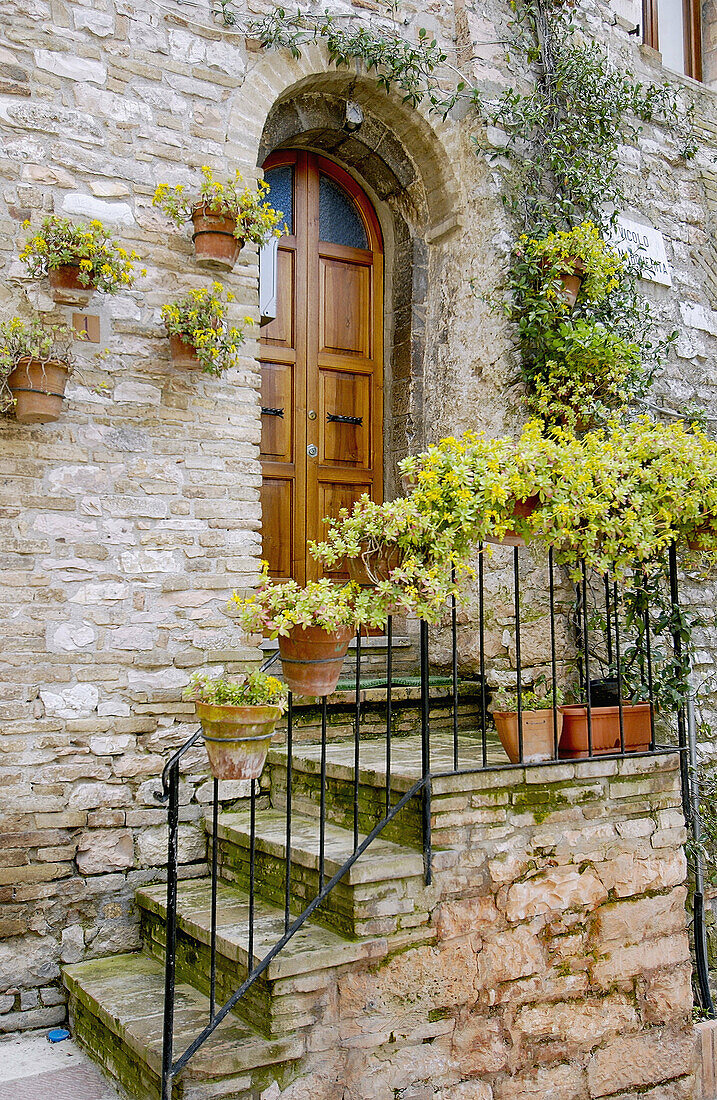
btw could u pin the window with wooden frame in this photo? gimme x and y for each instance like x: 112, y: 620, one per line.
x: 674, y: 27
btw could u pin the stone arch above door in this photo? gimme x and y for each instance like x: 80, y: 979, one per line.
x: 277, y: 79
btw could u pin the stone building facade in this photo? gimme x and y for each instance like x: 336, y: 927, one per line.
x: 127, y: 524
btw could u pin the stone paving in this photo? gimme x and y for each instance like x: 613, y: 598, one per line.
x: 31, y: 1068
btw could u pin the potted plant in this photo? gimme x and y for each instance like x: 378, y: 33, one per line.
x: 238, y: 718
x: 224, y: 216
x: 406, y: 556
x: 575, y: 261
x: 35, y: 363
x: 587, y: 371
x: 605, y: 727
x: 78, y: 259
x: 199, y: 335
x: 541, y: 722
x: 314, y: 626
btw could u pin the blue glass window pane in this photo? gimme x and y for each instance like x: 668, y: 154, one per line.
x: 339, y: 220
x: 281, y: 195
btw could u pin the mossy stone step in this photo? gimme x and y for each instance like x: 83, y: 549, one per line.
x: 381, y: 893
x: 116, y: 1012
x: 292, y: 992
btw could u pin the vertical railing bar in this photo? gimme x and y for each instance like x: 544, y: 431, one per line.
x: 289, y: 784
x: 171, y: 933
x: 518, y: 670
x: 389, y: 707
x: 357, y: 743
x: 677, y: 648
x: 252, y: 867
x: 608, y: 620
x: 426, y: 755
x: 618, y: 659
x: 481, y: 621
x: 454, y: 640
x: 553, y: 660
x: 648, y: 650
x: 213, y: 935
x: 586, y: 655
x: 322, y: 801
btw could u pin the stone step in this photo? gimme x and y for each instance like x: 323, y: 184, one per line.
x: 292, y: 993
x: 406, y: 828
x: 381, y: 893
x: 116, y: 1014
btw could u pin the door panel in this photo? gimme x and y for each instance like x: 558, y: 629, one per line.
x: 345, y: 308
x: 321, y: 361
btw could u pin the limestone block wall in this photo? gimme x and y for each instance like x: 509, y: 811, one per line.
x: 556, y: 963
x: 126, y: 525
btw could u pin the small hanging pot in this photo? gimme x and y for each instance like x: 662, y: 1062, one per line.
x: 38, y: 389
x: 215, y: 245
x: 66, y: 288
x: 572, y: 281
x: 237, y: 739
x: 312, y: 658
x: 521, y: 510
x: 183, y: 353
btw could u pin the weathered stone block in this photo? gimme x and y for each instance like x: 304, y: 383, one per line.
x: 635, y: 1061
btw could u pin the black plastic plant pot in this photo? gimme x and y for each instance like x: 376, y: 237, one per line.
x: 603, y: 692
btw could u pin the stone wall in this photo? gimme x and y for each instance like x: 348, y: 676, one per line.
x: 126, y: 525
x: 556, y: 964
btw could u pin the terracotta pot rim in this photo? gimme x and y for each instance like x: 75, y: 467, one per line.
x: 257, y: 710
x: 514, y: 714
x: 29, y: 360
x: 578, y: 708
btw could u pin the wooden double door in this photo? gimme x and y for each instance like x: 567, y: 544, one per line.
x: 322, y: 359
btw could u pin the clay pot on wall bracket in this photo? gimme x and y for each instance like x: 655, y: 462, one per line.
x: 183, y: 353
x: 605, y: 722
x: 572, y: 281
x: 538, y: 734
x: 38, y: 389
x: 312, y: 658
x: 66, y: 288
x: 215, y: 245
x: 521, y: 510
x: 374, y: 566
x: 237, y: 739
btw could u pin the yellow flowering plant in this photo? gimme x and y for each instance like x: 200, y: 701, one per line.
x: 256, y: 219
x: 275, y: 609
x: 200, y: 318
x: 32, y: 340
x: 251, y: 689
x: 102, y: 263
x: 582, y: 249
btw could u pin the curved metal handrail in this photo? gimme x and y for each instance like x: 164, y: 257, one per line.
x: 174, y: 759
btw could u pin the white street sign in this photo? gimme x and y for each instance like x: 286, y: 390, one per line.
x: 640, y: 240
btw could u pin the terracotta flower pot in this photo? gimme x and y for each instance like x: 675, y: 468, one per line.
x: 702, y: 538
x: 66, y: 288
x: 521, y: 510
x: 312, y: 658
x: 183, y: 353
x: 215, y: 245
x: 38, y: 389
x: 538, y: 734
x: 237, y: 738
x: 605, y: 729
x: 374, y: 565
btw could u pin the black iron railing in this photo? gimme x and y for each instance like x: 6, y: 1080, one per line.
x: 599, y: 635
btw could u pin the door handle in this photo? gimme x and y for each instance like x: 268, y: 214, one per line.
x: 334, y: 418
x: 312, y: 450
x: 266, y: 410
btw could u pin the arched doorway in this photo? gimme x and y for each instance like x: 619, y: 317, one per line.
x: 322, y: 359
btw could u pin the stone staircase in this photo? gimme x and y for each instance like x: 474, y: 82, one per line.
x: 379, y: 907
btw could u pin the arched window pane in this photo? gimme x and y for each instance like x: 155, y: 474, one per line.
x: 281, y: 195
x: 339, y: 220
